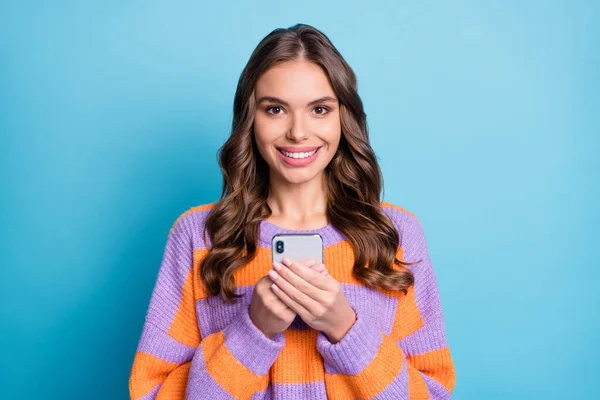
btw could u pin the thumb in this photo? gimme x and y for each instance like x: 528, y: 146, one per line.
x: 316, y: 267
x: 320, y: 268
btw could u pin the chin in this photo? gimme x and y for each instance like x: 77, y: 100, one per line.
x: 296, y: 177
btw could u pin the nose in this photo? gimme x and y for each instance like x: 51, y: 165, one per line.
x: 297, y: 131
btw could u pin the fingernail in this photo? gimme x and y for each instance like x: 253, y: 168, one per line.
x: 310, y: 263
x: 273, y: 274
x: 277, y: 266
x: 287, y: 261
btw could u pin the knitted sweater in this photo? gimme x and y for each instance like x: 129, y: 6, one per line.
x: 193, y: 346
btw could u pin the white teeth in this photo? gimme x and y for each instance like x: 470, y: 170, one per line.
x: 300, y: 154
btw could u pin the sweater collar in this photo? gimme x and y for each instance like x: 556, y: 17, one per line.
x: 329, y: 233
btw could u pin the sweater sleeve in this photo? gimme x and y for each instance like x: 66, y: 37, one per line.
x: 172, y: 361
x: 368, y: 363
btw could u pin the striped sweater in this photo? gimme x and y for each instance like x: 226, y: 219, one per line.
x: 193, y: 346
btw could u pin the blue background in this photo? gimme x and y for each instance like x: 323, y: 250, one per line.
x: 484, y: 115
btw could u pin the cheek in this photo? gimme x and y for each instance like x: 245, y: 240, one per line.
x: 331, y: 128
x: 332, y: 133
x: 265, y: 131
x: 264, y: 135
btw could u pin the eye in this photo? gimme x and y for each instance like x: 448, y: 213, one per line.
x: 322, y: 108
x: 273, y: 108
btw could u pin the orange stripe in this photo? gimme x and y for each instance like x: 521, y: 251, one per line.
x: 437, y: 364
x: 384, y: 369
x: 250, y: 273
x: 373, y: 379
x: 408, y: 317
x: 199, y: 288
x: 417, y: 388
x: 173, y: 388
x: 338, y: 259
x: 147, y: 372
x: 300, y: 349
x: 184, y: 327
x: 228, y: 372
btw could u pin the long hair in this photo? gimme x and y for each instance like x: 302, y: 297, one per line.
x: 353, y: 177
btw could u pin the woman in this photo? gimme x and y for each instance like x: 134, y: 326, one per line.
x: 226, y: 323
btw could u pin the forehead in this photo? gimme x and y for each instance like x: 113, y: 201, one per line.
x: 294, y: 81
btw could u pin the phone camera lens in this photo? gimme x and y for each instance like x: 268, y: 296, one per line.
x: 279, y: 246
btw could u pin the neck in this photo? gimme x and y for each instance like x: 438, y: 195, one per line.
x: 297, y: 202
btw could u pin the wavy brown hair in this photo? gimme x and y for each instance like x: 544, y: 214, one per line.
x: 353, y: 177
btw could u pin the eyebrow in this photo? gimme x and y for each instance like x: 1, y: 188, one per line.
x: 272, y: 99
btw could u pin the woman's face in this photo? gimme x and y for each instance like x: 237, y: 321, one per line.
x: 297, y: 112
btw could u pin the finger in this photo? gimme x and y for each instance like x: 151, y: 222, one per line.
x: 285, y: 306
x: 314, y: 278
x: 315, y: 267
x: 320, y: 268
x: 289, y: 302
x: 293, y: 272
x: 297, y: 289
x: 309, y: 262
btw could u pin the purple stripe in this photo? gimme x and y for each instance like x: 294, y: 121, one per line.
x: 175, y: 266
x: 396, y: 216
x: 196, y: 221
x: 159, y: 344
x: 201, y: 384
x: 250, y: 346
x: 379, y: 308
x: 330, y: 234
x: 355, y: 351
x: 376, y: 307
x: 415, y: 248
x: 432, y: 335
x: 428, y: 338
x: 299, y: 391
x: 214, y: 314
x: 266, y: 394
x: 398, y: 388
x: 436, y: 390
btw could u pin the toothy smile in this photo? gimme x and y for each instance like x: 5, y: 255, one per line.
x: 298, y: 154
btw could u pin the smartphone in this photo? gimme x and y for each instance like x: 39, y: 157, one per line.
x: 298, y: 247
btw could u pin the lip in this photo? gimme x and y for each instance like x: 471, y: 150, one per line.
x: 299, y: 162
x: 305, y: 149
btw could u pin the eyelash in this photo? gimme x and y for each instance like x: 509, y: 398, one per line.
x: 323, y: 107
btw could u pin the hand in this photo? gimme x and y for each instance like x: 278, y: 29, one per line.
x: 268, y: 313
x: 317, y: 298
